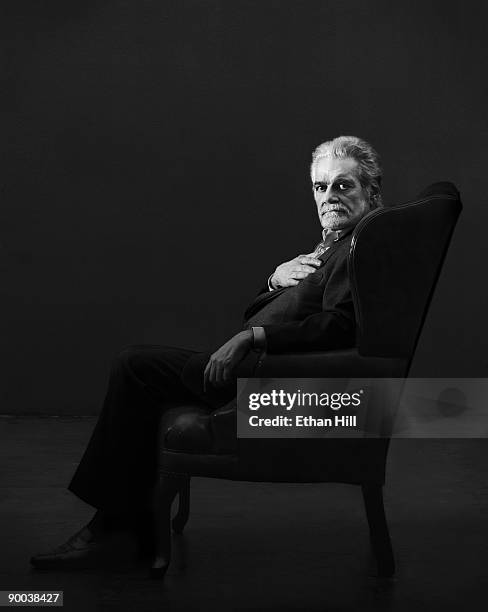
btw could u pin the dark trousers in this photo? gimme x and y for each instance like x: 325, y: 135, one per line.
x: 119, y: 467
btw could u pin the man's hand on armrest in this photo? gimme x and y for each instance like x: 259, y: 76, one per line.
x: 223, y: 362
x: 290, y: 273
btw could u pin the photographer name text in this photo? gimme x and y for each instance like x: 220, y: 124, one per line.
x: 301, y: 420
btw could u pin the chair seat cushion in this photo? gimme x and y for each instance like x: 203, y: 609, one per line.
x: 193, y: 444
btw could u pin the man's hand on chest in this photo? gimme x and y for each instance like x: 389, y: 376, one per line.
x: 290, y: 273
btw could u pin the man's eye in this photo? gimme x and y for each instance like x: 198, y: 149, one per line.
x: 320, y: 188
x: 343, y: 186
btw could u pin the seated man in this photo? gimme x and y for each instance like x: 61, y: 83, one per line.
x: 307, y: 305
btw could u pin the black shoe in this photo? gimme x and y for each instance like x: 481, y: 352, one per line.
x: 81, y: 550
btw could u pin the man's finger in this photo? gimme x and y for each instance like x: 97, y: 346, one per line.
x: 309, y: 269
x: 299, y: 274
x: 211, y: 374
x: 311, y: 261
x: 218, y: 374
x: 206, y: 374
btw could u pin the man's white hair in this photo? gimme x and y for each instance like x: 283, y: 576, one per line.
x: 370, y: 171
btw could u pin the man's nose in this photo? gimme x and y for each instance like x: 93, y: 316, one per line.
x: 330, y: 196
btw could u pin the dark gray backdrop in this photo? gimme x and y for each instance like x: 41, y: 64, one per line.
x: 155, y: 168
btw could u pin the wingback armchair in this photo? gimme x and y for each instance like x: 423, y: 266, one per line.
x: 395, y: 259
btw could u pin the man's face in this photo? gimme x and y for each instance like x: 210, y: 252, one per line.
x: 340, y: 198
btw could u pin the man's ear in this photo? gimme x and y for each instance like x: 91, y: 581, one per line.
x: 374, y: 198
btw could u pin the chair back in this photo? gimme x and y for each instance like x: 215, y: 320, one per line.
x: 394, y: 262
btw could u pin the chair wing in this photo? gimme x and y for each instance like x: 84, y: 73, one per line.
x: 395, y: 259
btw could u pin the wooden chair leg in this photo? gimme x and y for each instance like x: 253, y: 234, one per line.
x: 164, y: 494
x: 181, y: 518
x: 378, y: 529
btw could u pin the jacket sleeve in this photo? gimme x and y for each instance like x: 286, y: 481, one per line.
x: 333, y: 328
x: 253, y: 306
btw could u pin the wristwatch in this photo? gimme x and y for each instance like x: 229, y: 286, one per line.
x: 259, y: 339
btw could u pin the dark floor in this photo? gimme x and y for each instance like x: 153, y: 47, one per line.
x: 259, y: 546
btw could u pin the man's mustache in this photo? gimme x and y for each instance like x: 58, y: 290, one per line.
x: 333, y: 208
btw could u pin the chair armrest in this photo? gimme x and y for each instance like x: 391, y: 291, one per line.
x: 343, y: 363
x: 318, y: 364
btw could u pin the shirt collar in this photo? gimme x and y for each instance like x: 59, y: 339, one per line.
x: 331, y: 235
x: 339, y: 234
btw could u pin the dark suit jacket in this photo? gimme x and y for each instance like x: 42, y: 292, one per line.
x: 316, y: 314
